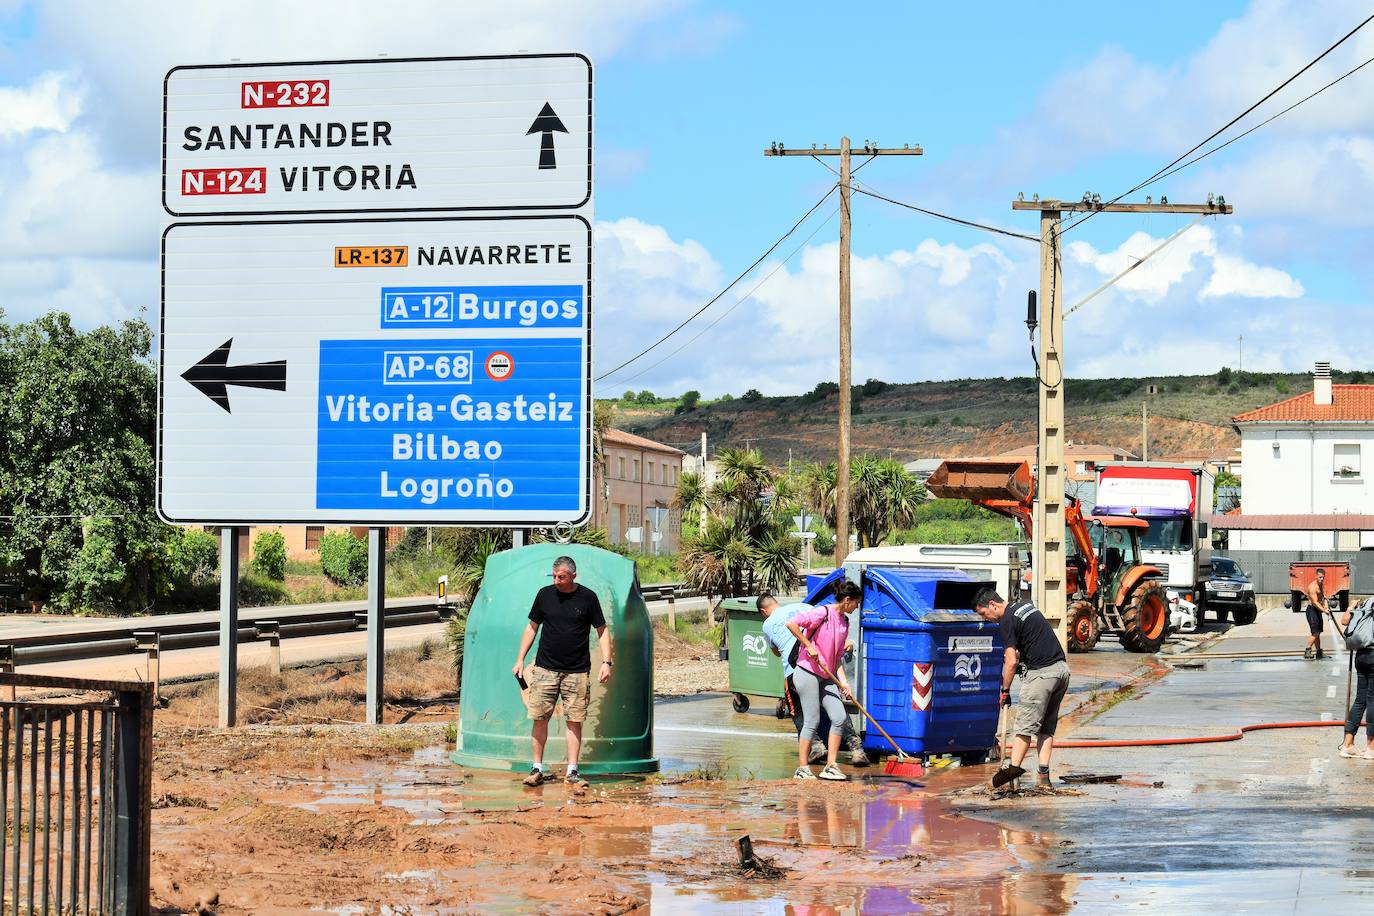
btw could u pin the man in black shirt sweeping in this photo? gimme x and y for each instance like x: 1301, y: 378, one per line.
x: 567, y: 612
x: 1034, y: 650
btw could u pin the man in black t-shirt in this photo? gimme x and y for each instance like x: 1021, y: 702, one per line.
x: 1033, y: 648
x: 567, y: 612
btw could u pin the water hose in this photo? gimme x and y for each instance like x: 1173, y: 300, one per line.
x: 1198, y: 739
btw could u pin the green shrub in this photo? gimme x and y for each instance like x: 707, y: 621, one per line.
x: 194, y: 556
x: 257, y: 591
x: 822, y: 391
x: 269, y: 555
x: 343, y: 558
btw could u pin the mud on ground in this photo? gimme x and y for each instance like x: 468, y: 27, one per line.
x: 304, y: 819
x: 317, y: 815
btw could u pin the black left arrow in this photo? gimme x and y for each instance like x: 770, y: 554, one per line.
x: 213, y: 373
x: 545, y: 123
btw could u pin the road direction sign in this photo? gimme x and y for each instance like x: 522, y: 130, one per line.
x: 434, y: 134
x: 377, y: 371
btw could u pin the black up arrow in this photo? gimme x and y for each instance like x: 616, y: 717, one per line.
x: 546, y: 124
x: 213, y: 373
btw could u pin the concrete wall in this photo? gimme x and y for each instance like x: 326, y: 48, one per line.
x: 1268, y: 569
x: 1301, y: 476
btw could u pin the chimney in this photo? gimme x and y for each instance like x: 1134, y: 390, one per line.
x: 1321, y: 385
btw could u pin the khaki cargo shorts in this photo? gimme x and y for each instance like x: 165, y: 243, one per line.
x: 548, y: 688
x: 1042, y: 690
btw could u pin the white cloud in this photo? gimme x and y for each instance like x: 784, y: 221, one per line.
x: 124, y: 55
x: 941, y: 310
x: 1191, y: 255
x: 49, y: 102
x: 61, y: 200
x: 1232, y: 276
x: 923, y: 312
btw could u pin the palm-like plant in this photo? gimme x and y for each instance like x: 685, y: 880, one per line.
x: 744, y: 543
x: 883, y: 496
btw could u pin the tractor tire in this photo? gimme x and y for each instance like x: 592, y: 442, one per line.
x: 1146, y: 616
x: 1083, y: 629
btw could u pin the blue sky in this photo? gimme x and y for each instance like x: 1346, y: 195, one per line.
x: 1052, y: 99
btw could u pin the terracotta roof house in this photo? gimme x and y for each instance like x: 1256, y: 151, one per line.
x: 1307, y: 462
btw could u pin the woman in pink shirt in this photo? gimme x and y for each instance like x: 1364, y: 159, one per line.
x: 823, y: 634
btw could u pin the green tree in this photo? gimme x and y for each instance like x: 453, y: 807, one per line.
x: 343, y: 558
x: 751, y: 396
x: 78, y: 414
x: 646, y: 397
x: 883, y: 496
x: 269, y: 555
x: 745, y: 544
x: 689, y: 401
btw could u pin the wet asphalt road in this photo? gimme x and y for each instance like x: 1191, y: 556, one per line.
x: 1277, y: 822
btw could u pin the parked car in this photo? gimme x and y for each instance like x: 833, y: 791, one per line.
x: 1230, y: 591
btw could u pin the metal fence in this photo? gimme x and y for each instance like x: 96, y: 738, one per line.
x: 76, y: 795
x: 1268, y: 569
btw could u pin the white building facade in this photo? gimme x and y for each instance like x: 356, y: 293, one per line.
x: 1309, y: 471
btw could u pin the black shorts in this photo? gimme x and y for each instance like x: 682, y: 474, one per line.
x: 1314, y: 619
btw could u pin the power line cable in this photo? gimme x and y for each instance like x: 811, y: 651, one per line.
x: 1225, y: 127
x: 712, y: 301
x: 737, y: 304
x: 946, y: 216
x: 1219, y: 148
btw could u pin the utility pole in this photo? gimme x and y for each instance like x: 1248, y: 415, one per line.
x: 1240, y: 354
x: 842, y: 464
x: 1144, y: 430
x: 1048, y: 518
x: 702, y: 529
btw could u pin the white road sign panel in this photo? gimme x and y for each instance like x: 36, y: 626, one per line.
x: 433, y: 134
x: 378, y: 371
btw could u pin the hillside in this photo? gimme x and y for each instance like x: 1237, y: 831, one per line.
x: 976, y: 417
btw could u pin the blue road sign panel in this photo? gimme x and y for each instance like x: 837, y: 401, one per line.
x: 482, y: 307
x: 406, y: 425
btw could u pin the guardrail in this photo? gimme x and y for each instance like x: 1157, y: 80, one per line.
x: 255, y: 624
x: 665, y: 590
x: 263, y: 624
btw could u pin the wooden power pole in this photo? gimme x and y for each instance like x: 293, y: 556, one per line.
x: 846, y: 351
x: 1048, y: 517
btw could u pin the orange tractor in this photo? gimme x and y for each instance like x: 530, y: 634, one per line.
x: 1110, y: 589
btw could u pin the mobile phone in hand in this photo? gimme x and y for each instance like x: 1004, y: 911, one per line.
x: 520, y: 679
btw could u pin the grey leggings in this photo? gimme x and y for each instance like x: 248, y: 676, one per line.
x: 813, y: 693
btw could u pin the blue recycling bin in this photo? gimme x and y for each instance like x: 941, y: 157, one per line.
x: 931, y: 667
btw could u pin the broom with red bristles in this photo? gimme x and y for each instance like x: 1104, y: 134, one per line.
x: 905, y: 764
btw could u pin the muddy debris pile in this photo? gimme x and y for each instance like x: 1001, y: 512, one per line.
x: 752, y: 865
